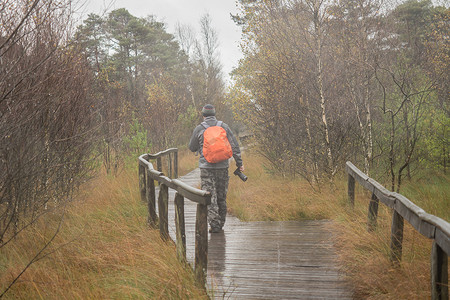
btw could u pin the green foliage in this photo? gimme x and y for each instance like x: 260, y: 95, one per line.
x: 434, y: 148
x: 189, y: 118
x: 136, y: 141
x: 413, y: 19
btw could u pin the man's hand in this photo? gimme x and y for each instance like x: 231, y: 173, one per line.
x: 241, y: 168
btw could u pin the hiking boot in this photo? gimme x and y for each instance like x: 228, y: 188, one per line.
x: 215, y: 229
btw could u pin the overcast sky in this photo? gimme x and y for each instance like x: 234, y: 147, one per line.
x: 184, y: 12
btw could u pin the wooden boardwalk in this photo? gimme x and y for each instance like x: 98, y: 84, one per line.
x: 266, y: 260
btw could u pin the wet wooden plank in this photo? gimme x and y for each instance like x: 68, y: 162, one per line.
x: 266, y: 260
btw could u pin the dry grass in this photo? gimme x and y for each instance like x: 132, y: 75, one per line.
x: 364, y: 255
x: 187, y: 161
x: 267, y: 196
x: 104, y: 251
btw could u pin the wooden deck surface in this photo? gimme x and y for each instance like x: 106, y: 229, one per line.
x: 266, y: 260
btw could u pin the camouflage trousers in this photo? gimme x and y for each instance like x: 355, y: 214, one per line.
x: 215, y: 181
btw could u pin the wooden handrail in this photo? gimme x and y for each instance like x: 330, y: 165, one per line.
x: 426, y: 224
x: 147, y: 177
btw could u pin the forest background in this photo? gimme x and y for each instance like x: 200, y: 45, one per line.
x: 320, y: 83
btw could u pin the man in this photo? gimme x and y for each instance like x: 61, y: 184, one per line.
x: 214, y: 176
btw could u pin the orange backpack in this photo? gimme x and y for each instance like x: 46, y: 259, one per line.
x: 216, y: 147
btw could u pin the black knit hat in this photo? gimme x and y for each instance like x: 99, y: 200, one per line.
x: 208, y: 110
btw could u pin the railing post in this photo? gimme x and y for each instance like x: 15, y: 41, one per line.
x: 142, y: 187
x: 169, y: 165
x: 180, y: 227
x: 163, y: 203
x: 151, y: 201
x: 439, y: 273
x: 396, y: 237
x: 159, y: 164
x: 351, y: 190
x: 201, y: 244
x: 373, y: 213
x: 175, y: 164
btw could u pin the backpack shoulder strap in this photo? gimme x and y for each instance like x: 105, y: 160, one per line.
x: 219, y: 123
x: 204, y: 124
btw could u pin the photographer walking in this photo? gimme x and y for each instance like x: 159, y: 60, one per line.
x: 216, y: 143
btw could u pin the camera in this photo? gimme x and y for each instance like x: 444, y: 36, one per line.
x: 240, y: 174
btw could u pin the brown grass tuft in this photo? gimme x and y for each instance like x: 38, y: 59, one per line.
x: 104, y: 250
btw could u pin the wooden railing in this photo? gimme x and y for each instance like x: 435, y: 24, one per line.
x: 147, y: 177
x: 428, y: 225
